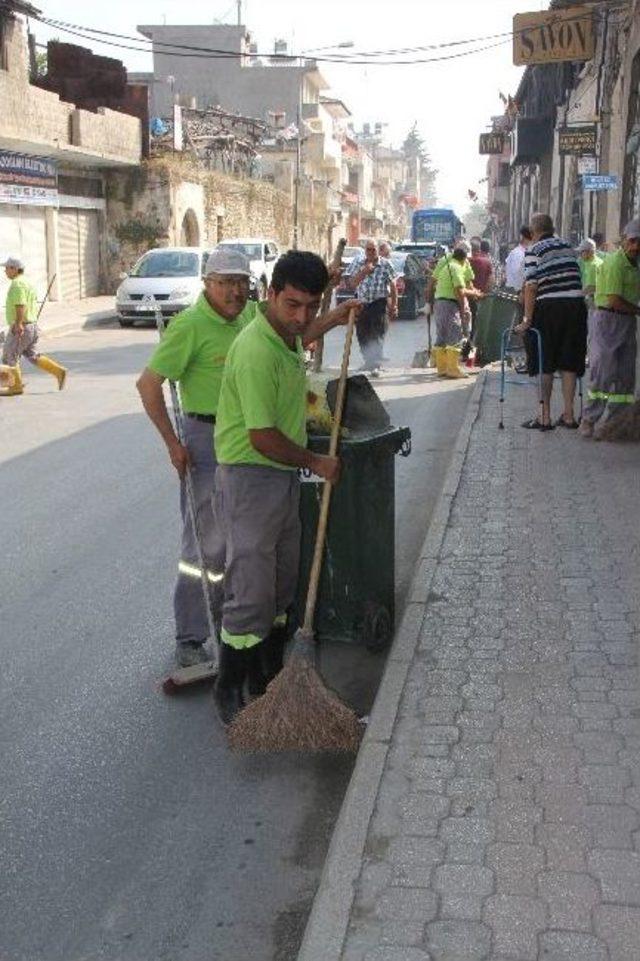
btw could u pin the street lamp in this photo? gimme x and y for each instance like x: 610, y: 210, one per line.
x: 296, y: 187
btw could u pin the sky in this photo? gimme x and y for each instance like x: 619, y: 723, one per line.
x: 452, y: 100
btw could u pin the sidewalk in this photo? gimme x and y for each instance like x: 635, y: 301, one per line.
x: 65, y: 316
x: 494, y: 812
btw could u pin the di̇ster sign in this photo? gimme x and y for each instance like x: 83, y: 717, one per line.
x: 553, y: 36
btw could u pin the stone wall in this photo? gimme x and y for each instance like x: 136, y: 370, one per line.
x: 146, y: 208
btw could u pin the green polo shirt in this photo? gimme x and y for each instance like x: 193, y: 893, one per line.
x: 589, y: 270
x: 449, y: 274
x: 193, y: 351
x: 617, y: 275
x: 21, y: 294
x: 264, y: 385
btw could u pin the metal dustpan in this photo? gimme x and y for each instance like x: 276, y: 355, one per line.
x: 363, y: 410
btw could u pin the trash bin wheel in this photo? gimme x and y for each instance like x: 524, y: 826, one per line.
x: 376, y: 630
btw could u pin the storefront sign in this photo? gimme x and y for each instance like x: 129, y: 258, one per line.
x: 587, y: 165
x: 555, y: 35
x: 491, y: 143
x: 579, y: 141
x: 600, y: 182
x: 28, y: 180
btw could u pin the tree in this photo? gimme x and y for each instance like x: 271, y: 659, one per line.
x: 41, y: 63
x: 476, y: 219
x: 414, y: 147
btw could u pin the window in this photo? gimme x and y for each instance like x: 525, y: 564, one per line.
x: 4, y: 59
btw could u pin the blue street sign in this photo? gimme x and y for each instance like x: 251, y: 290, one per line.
x: 600, y: 182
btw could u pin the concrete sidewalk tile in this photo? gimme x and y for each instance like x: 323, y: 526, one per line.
x: 463, y: 889
x: 569, y: 946
x: 619, y: 875
x: 458, y: 940
x: 565, y: 846
x: 407, y: 904
x: 570, y: 899
x: 612, y: 825
x: 516, y: 923
x: 619, y: 928
x: 516, y: 867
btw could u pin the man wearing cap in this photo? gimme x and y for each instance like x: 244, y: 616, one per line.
x: 612, y: 350
x: 193, y: 352
x: 23, y: 334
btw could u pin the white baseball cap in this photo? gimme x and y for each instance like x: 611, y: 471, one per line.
x: 14, y: 262
x: 226, y: 260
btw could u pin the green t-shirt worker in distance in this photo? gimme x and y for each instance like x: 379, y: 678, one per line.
x: 612, y: 335
x: 260, y: 440
x: 589, y: 262
x: 22, y: 337
x: 192, y: 353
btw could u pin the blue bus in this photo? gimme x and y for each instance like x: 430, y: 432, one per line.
x: 438, y: 224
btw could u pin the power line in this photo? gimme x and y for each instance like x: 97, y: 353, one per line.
x: 87, y: 33
x: 361, y: 58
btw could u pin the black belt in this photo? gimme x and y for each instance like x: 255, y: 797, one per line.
x: 448, y: 300
x: 610, y: 310
x: 203, y: 418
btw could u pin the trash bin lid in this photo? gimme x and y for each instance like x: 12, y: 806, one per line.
x: 363, y: 411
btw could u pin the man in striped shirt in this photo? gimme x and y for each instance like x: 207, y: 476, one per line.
x: 554, y: 305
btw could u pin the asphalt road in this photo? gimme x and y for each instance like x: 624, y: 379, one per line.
x: 128, y: 832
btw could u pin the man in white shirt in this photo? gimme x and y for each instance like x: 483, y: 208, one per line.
x: 514, y: 264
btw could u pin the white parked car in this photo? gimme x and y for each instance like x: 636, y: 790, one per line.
x: 168, y: 277
x: 262, y: 254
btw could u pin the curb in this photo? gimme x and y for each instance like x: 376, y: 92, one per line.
x: 59, y: 330
x: 331, y: 910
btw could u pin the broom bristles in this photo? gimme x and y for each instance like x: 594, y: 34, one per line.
x: 624, y: 426
x: 297, y: 713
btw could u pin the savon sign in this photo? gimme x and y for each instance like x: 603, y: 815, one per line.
x: 555, y: 35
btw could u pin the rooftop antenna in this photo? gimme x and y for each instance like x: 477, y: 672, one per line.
x: 239, y: 13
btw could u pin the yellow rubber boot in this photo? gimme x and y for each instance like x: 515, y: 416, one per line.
x: 454, y: 370
x: 440, y: 357
x: 10, y: 380
x: 60, y: 373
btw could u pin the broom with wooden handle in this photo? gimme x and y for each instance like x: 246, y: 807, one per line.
x: 298, y: 712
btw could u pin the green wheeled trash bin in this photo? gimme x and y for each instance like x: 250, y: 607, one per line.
x: 496, y: 313
x: 357, y: 583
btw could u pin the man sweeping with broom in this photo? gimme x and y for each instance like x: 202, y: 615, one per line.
x: 260, y: 441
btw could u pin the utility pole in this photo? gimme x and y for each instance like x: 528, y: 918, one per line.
x: 296, y: 185
x: 239, y: 13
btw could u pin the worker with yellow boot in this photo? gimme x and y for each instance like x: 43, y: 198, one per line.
x: 22, y: 336
x: 451, y: 287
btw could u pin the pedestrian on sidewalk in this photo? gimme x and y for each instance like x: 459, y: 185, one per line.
x: 373, y: 281
x: 612, y: 357
x: 483, y: 277
x: 260, y: 440
x: 192, y: 352
x: 514, y: 264
x: 23, y: 334
x: 554, y: 305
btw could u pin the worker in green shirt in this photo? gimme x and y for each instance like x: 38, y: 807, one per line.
x: 260, y: 440
x: 612, y: 349
x: 23, y: 334
x: 450, y: 285
x: 589, y: 261
x: 192, y: 352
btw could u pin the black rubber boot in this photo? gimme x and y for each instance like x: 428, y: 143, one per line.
x: 227, y: 691
x: 272, y: 650
x: 256, y: 680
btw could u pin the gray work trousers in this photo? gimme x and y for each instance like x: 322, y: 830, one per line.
x: 259, y: 511
x: 188, y: 599
x: 612, y: 364
x: 448, y: 323
x: 15, y: 346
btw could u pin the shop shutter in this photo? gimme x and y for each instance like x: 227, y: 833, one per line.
x: 89, y: 246
x: 69, y: 246
x: 33, y: 236
x: 23, y: 233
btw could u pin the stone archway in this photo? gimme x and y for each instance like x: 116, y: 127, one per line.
x: 190, y: 231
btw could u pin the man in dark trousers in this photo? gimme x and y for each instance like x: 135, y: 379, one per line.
x: 554, y: 305
x: 260, y: 442
x: 373, y: 280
